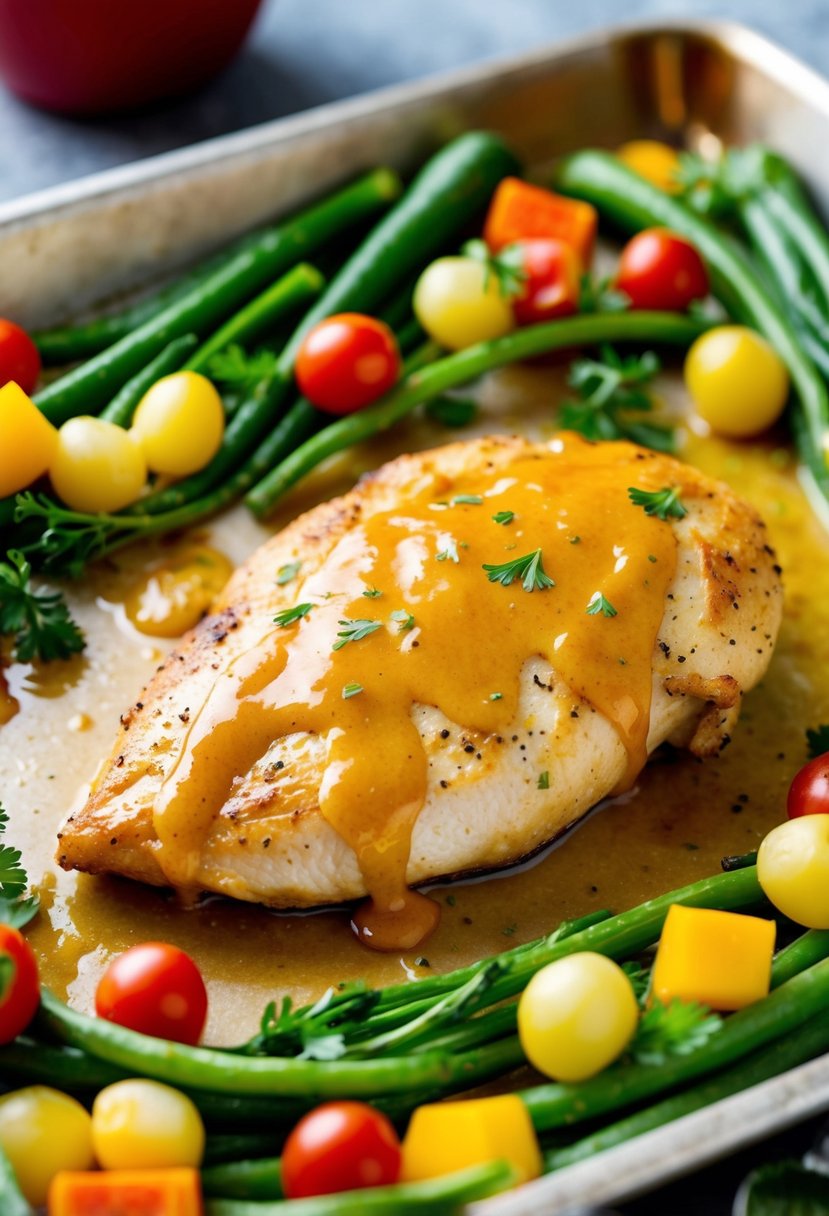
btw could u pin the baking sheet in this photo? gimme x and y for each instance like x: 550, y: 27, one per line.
x: 698, y: 84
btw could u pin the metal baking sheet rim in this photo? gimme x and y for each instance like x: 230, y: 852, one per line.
x: 25, y: 224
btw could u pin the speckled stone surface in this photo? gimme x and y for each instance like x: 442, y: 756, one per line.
x: 306, y: 52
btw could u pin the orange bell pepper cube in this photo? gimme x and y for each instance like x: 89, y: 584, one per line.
x: 161, y: 1192
x: 720, y: 959
x: 522, y: 212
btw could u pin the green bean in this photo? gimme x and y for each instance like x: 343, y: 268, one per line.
x: 781, y: 1013
x: 299, y: 286
x: 461, y: 368
x: 12, y: 1202
x: 802, y: 953
x: 436, y: 1196
x: 259, y: 1179
x: 224, y: 1072
x: 123, y: 405
x: 87, y: 387
x: 29, y: 1061
x: 220, y: 1149
x: 811, y: 1039
x: 632, y: 203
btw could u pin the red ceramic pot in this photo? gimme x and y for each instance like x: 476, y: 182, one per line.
x: 95, y: 56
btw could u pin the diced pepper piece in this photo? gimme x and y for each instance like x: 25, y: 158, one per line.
x: 174, y: 1192
x: 720, y: 959
x: 656, y: 162
x: 522, y: 212
x: 449, y: 1136
x: 27, y: 440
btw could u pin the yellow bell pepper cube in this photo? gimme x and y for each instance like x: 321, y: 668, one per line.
x: 656, y: 162
x: 449, y: 1136
x: 147, y: 1192
x: 721, y: 959
x: 27, y: 440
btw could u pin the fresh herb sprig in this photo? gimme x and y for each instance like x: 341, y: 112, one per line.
x: 354, y: 631
x: 528, y: 568
x: 664, y: 504
x: 599, y: 295
x: 675, y: 1029
x: 37, y: 619
x: 16, y: 908
x: 240, y: 372
x: 289, y: 616
x: 600, y: 604
x: 611, y: 395
x: 506, y: 267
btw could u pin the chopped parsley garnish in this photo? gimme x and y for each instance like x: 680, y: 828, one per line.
x: 403, y: 619
x: 469, y: 500
x: 664, y: 503
x: 452, y: 411
x: 495, y: 696
x: 544, y: 780
x: 818, y: 740
x: 575, y: 540
x: 351, y: 690
x: 600, y: 604
x: 611, y: 395
x: 288, y: 572
x: 38, y: 621
x: 371, y: 593
x: 676, y: 1029
x: 290, y: 615
x: 528, y: 568
x: 506, y: 266
x: 450, y: 553
x: 355, y: 631
x: 504, y: 517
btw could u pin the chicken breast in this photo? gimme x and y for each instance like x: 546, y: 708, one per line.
x: 471, y: 649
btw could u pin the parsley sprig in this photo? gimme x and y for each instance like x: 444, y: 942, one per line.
x: 290, y: 616
x: 599, y: 295
x: 16, y: 909
x: 506, y: 266
x: 611, y: 393
x: 528, y: 568
x: 664, y: 504
x: 599, y: 603
x: 354, y: 631
x: 38, y: 620
x: 675, y: 1029
x: 241, y: 372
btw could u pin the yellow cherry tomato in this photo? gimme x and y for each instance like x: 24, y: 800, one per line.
x: 576, y: 1016
x: 27, y: 440
x: 738, y: 382
x: 96, y: 466
x: 793, y: 869
x: 652, y: 160
x: 42, y: 1132
x: 459, y: 303
x: 140, y: 1124
x: 179, y: 423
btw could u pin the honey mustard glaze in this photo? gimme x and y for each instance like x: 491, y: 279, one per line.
x: 403, y: 612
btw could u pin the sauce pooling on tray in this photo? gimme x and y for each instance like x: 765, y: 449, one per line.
x: 404, y: 611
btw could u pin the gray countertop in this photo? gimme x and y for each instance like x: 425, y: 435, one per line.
x: 306, y: 52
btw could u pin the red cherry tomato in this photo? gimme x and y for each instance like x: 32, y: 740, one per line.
x: 346, y: 362
x: 552, y: 271
x: 341, y: 1146
x: 21, y: 995
x: 19, y: 357
x: 660, y: 270
x: 155, y: 989
x: 809, y: 792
